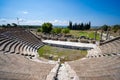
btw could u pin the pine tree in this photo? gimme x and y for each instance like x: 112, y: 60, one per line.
x: 70, y: 25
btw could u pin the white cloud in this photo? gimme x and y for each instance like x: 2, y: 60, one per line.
x: 34, y: 22
x: 25, y: 12
x: 59, y: 22
x: 21, y: 20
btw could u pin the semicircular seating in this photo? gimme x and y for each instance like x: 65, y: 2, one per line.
x: 18, y: 40
x: 15, y: 41
x: 101, y: 63
x: 16, y: 67
x: 108, y: 48
x: 101, y: 68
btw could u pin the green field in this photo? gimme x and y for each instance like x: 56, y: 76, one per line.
x: 63, y: 53
x: 89, y: 34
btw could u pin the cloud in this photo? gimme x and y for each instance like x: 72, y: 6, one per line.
x: 6, y: 21
x: 2, y: 20
x: 32, y: 22
x: 40, y: 22
x: 59, y: 22
x: 21, y: 20
x: 25, y: 12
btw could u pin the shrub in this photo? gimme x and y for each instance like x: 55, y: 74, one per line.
x: 39, y: 30
x: 56, y: 30
x: 65, y: 30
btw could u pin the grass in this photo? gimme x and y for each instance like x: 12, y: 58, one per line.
x: 63, y: 53
x: 89, y: 34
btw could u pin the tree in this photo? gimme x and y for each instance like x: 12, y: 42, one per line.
x: 87, y: 26
x: 70, y: 25
x: 8, y: 25
x: 116, y: 28
x: 4, y: 26
x: 56, y: 30
x: 79, y: 26
x: 105, y: 27
x: 65, y: 30
x: 75, y: 26
x: 47, y: 27
x: 14, y: 24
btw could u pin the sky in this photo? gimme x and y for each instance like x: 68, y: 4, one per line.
x: 60, y: 12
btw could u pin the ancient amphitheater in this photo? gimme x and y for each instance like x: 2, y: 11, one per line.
x: 19, y: 60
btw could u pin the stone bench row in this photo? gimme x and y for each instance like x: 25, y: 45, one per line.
x: 107, y: 49
x: 102, y: 68
x: 18, y: 47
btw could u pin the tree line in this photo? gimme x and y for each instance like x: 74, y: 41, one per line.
x: 13, y: 25
x: 48, y: 28
x: 80, y: 26
x: 114, y: 28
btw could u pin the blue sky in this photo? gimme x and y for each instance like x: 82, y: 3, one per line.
x: 60, y: 12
